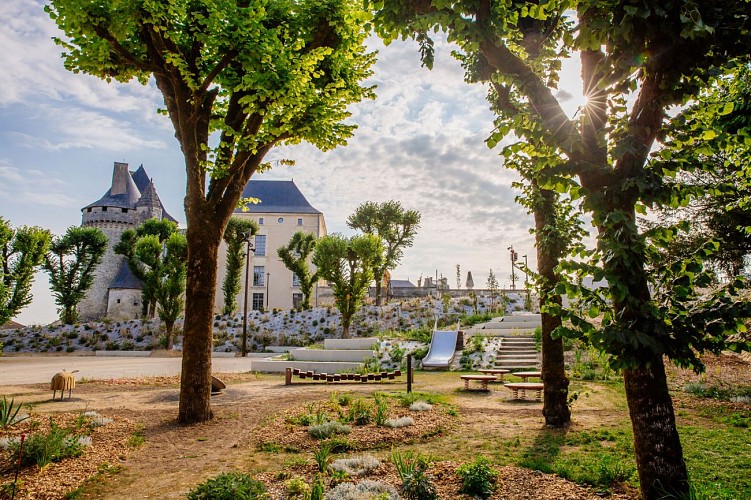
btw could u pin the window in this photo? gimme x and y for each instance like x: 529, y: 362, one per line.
x: 118, y: 301
x: 260, y: 221
x: 257, y: 302
x: 299, y: 222
x: 104, y: 209
x: 295, y: 280
x: 88, y: 210
x: 259, y: 275
x: 260, y: 245
x: 296, y: 300
x: 125, y: 210
x: 280, y: 220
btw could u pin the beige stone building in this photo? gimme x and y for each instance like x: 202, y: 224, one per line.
x: 282, y: 211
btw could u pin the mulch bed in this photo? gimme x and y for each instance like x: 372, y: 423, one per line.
x: 282, y: 433
x: 108, y: 449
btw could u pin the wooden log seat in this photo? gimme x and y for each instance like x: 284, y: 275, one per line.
x: 523, y: 387
x: 483, y: 379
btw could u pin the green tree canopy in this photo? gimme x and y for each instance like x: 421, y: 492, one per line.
x: 236, y: 235
x: 169, y: 295
x: 252, y: 75
x: 70, y: 263
x: 21, y: 253
x: 638, y: 60
x: 347, y: 264
x: 395, y: 225
x: 295, y: 257
x: 145, y: 267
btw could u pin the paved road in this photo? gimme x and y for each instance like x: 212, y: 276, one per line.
x: 15, y: 370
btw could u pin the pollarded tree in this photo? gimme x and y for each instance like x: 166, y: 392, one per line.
x: 21, y: 253
x: 295, y: 257
x: 394, y: 224
x: 236, y: 236
x: 161, y: 230
x: 638, y: 60
x: 171, y: 289
x: 70, y: 263
x: 347, y: 264
x: 252, y: 74
x: 492, y: 285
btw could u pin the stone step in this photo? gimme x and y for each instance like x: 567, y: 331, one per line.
x: 517, y: 368
x: 531, y: 352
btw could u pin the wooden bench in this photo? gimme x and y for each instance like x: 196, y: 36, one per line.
x: 523, y: 387
x: 495, y: 371
x: 528, y: 375
x: 338, y: 377
x: 483, y: 379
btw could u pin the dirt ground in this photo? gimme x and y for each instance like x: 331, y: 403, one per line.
x: 175, y: 458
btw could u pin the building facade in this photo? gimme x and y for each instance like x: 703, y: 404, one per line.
x: 282, y: 211
x: 131, y: 200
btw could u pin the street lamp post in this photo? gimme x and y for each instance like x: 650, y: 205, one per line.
x: 246, y: 237
x: 514, y: 258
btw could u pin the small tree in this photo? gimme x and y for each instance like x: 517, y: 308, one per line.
x: 493, y: 288
x: 235, y: 236
x: 347, y: 264
x: 71, y: 263
x: 458, y: 277
x: 172, y: 287
x: 395, y: 225
x: 146, y: 270
x: 295, y: 257
x: 21, y: 253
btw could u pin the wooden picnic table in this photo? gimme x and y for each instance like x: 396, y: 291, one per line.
x: 527, y: 375
x: 523, y: 387
x: 483, y: 379
x: 495, y: 371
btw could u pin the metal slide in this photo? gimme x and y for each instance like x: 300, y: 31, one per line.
x: 442, y: 348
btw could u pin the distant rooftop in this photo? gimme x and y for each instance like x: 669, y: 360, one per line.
x: 401, y: 284
x: 276, y: 197
x: 125, y: 278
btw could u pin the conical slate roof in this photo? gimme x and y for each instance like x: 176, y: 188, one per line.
x: 142, y: 180
x: 276, y: 197
x: 125, y: 278
x: 123, y: 194
x: 149, y: 198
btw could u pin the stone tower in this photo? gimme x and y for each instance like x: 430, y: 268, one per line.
x: 131, y: 200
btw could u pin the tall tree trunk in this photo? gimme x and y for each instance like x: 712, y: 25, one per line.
x: 555, y: 405
x: 169, y: 325
x: 345, y: 326
x: 378, y: 291
x: 657, y: 446
x: 204, y: 236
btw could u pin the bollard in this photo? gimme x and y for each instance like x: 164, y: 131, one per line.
x: 409, y: 373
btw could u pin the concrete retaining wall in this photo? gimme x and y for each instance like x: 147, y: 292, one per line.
x: 348, y: 344
x: 124, y: 354
x: 271, y: 366
x: 349, y: 355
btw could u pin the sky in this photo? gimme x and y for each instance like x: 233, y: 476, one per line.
x: 421, y: 142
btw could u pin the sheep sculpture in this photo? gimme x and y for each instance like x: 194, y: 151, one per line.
x: 61, y: 381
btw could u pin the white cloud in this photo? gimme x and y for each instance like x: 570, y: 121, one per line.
x: 35, y: 188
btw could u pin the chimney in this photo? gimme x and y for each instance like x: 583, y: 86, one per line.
x: 120, y: 178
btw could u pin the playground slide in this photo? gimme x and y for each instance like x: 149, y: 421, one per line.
x: 442, y: 349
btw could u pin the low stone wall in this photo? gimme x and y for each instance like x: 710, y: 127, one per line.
x: 348, y: 344
x: 349, y: 355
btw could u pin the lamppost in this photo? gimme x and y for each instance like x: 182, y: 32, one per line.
x: 514, y: 258
x: 246, y: 239
x: 526, y: 281
x: 268, y: 278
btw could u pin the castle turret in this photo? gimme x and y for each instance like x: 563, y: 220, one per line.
x: 149, y: 206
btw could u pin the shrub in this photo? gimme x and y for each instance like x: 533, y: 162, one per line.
x: 328, y: 429
x: 418, y: 486
x: 9, y: 413
x: 297, y: 488
x: 381, y: 409
x: 420, y: 353
x: 420, y: 406
x: 317, y: 490
x: 400, y: 422
x: 356, y: 466
x: 478, y: 477
x: 363, y: 489
x: 229, y: 486
x: 41, y: 449
x: 322, y: 456
x: 360, y: 412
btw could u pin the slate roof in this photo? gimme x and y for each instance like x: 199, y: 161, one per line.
x: 276, y: 197
x: 125, y: 278
x: 128, y: 199
x: 401, y: 284
x: 142, y: 180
